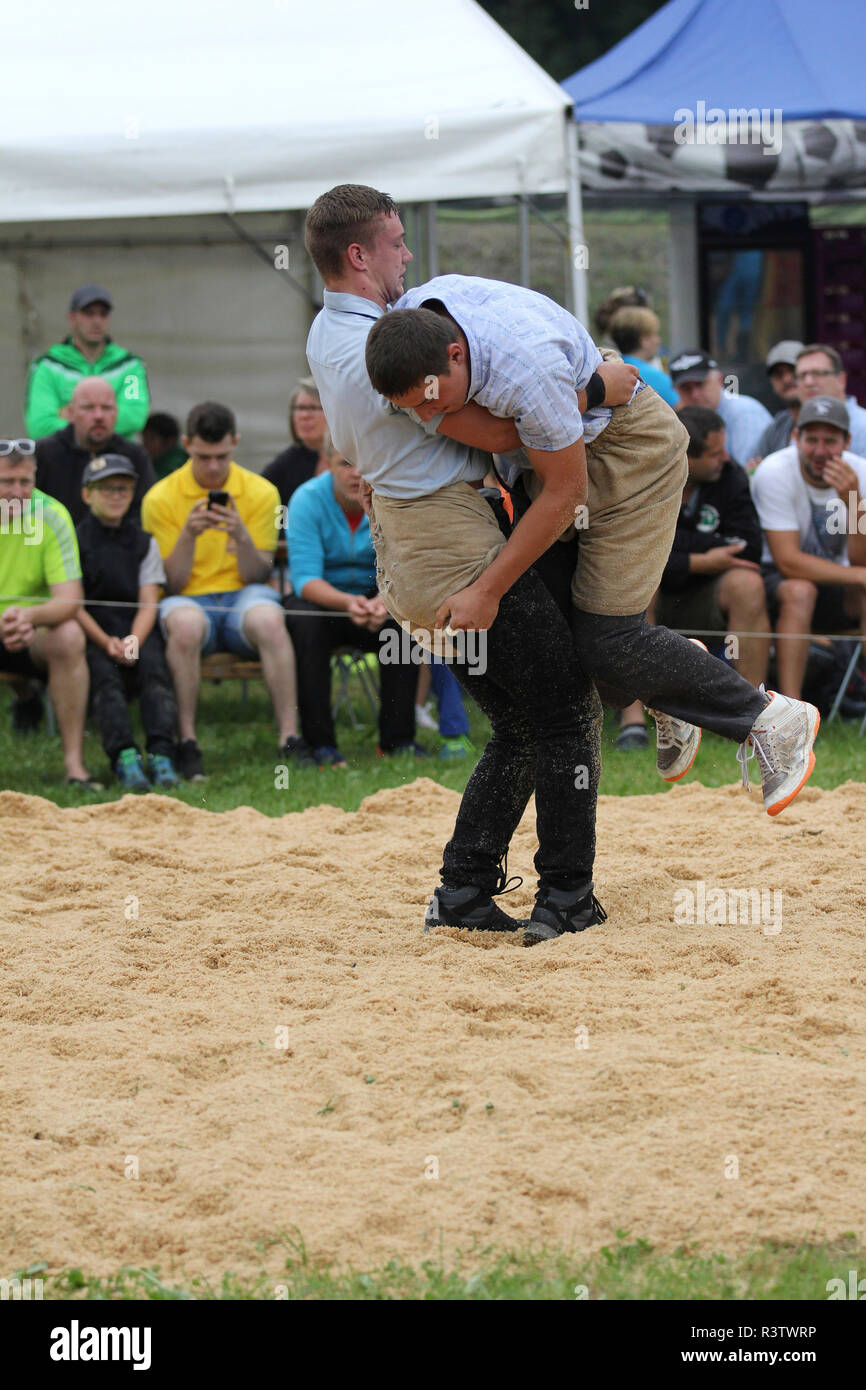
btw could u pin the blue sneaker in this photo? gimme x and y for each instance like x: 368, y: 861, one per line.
x: 161, y: 771
x: 129, y: 771
x: 329, y: 757
x: 457, y: 747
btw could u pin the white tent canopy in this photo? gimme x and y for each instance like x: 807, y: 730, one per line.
x: 134, y: 129
x: 199, y: 106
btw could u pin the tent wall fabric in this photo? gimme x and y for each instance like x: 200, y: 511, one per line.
x: 208, y: 106
x: 729, y: 96
x: 210, y: 319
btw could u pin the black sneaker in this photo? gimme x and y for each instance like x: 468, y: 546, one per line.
x: 187, y: 761
x: 414, y: 750
x: 557, y: 912
x: 297, y: 751
x: 471, y: 908
x: 27, y: 714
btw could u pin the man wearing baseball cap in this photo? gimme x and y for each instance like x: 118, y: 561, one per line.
x: 810, y: 502
x: 122, y: 572
x: 698, y: 380
x: 88, y: 351
x: 782, y: 371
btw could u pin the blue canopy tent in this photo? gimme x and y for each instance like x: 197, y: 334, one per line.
x: 758, y: 100
x: 694, y: 98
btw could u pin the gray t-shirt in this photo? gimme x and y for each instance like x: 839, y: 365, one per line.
x: 151, y: 570
x: 777, y: 435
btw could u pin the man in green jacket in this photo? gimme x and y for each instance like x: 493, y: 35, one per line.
x: 88, y: 351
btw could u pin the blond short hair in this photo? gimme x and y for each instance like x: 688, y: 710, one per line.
x: 630, y: 324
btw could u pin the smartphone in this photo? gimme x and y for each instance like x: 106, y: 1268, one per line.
x: 218, y: 499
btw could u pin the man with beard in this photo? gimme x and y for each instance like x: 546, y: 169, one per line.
x: 809, y: 499
x: 62, y: 457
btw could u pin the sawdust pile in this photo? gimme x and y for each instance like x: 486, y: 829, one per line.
x: 686, y: 1082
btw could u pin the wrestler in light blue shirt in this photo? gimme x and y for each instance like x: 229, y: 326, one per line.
x: 393, y: 453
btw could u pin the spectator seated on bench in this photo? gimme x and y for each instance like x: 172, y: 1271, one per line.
x: 712, y: 581
x: 122, y: 568
x: 333, y: 571
x: 216, y: 527
x: 808, y: 498
x: 303, y: 458
x: 40, y: 575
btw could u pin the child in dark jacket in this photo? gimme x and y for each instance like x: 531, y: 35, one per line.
x: 122, y: 571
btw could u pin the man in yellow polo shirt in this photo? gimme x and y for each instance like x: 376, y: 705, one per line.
x: 216, y: 525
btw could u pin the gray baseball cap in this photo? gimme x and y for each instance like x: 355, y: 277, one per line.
x: 787, y: 351
x: 108, y: 466
x: 90, y: 294
x: 825, y: 410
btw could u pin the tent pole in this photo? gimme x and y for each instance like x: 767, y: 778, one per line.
x: 523, y: 219
x: 577, y: 249
x: 432, y: 243
x: 288, y: 279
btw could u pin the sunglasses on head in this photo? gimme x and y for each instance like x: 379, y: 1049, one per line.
x: 17, y: 446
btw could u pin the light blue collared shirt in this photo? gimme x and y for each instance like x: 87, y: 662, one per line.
x: 392, y: 452
x: 745, y: 421
x: 528, y: 357
x: 857, y: 416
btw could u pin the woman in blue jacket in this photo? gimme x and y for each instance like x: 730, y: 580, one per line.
x: 335, y: 604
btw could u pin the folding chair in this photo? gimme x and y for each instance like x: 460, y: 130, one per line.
x: 849, y: 671
x: 349, y: 662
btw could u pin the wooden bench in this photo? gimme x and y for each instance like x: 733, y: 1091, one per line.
x: 225, y: 666
x: 347, y: 662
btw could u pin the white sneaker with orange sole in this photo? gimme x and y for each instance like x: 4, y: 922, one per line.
x: 781, y: 740
x: 677, y: 742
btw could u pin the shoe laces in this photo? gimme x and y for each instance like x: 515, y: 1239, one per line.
x: 760, y: 745
x: 665, y: 728
x: 563, y: 914
x: 746, y: 752
x: 504, y: 884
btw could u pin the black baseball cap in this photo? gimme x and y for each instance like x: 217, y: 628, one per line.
x: 108, y: 466
x: 90, y: 294
x: 692, y: 365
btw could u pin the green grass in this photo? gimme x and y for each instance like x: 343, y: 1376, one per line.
x: 625, y: 1269
x: 239, y: 747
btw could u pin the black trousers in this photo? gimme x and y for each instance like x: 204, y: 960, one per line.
x: 546, y: 723
x: 630, y: 660
x: 315, y: 637
x: 113, y: 686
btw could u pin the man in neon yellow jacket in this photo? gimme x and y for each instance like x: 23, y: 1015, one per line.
x: 88, y: 351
